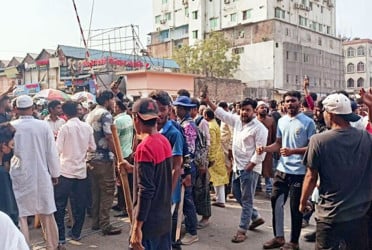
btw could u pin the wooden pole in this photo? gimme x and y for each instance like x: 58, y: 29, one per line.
x: 123, y: 173
x: 180, y: 214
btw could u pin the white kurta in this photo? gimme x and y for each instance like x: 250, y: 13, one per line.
x: 10, y: 236
x: 35, y: 161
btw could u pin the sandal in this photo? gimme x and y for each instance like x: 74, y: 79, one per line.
x: 239, y: 237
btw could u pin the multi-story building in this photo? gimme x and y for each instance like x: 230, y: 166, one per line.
x: 279, y: 41
x: 358, y: 64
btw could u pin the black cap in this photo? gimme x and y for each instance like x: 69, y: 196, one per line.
x: 146, y: 108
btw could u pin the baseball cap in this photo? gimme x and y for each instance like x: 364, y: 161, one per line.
x: 184, y: 101
x: 24, y: 101
x: 146, y: 108
x: 340, y: 105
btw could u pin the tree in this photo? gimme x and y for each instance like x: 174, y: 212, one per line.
x: 210, y: 57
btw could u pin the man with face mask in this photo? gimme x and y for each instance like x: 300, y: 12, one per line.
x: 292, y: 137
x: 248, y: 134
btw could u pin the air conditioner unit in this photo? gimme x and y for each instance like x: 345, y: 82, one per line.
x: 163, y: 21
x: 226, y: 1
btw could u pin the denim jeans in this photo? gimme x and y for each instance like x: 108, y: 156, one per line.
x: 189, y: 209
x: 77, y: 190
x: 287, y: 185
x: 244, y: 186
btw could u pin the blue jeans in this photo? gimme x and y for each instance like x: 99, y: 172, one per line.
x: 160, y: 243
x: 244, y: 186
x: 189, y: 209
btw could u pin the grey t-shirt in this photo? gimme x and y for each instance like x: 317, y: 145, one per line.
x: 343, y: 158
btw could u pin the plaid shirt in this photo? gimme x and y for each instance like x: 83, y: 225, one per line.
x: 100, y: 119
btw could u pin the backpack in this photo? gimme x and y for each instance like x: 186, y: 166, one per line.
x: 185, y: 150
x: 201, y: 147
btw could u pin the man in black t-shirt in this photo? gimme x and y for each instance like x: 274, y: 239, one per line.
x: 342, y: 158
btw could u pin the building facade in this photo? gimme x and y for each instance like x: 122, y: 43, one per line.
x: 279, y: 41
x: 358, y: 64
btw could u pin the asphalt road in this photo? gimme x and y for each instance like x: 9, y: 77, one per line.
x: 217, y: 236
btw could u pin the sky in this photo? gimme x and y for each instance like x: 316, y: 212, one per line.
x: 28, y: 26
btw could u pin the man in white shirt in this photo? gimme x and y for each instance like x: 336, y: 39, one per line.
x: 74, y: 139
x: 53, y: 119
x: 249, y: 133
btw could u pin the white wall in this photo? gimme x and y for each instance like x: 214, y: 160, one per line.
x: 257, y: 65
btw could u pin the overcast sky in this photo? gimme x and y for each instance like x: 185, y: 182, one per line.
x: 31, y: 25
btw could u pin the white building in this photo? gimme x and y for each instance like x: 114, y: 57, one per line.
x: 358, y: 64
x: 279, y: 41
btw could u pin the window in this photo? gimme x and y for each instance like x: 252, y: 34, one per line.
x: 168, y: 16
x: 350, y: 52
x: 287, y: 31
x: 360, y: 67
x: 306, y: 58
x: 320, y: 28
x: 314, y: 26
x: 157, y: 19
x: 331, y: 44
x: 233, y: 17
x: 302, y: 21
x: 350, y: 68
x: 213, y: 23
x: 295, y: 56
x: 350, y: 83
x: 195, y: 14
x: 319, y: 41
x: 164, y: 1
x: 308, y: 37
x: 360, y: 51
x: 278, y: 12
x: 247, y: 14
x: 328, y: 30
x: 296, y: 79
x: 195, y: 34
x: 287, y: 78
x: 287, y: 54
x: 238, y: 50
x: 360, y: 83
x: 370, y: 82
x: 187, y: 11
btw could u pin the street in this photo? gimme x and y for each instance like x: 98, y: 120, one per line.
x: 217, y: 236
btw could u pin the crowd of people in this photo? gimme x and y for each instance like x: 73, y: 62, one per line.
x: 181, y: 157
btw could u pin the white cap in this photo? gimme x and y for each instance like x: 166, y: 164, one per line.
x: 259, y: 103
x: 24, y: 101
x: 340, y: 104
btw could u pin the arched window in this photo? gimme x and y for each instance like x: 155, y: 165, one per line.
x: 350, y: 52
x: 361, y: 51
x: 350, y: 83
x: 360, y: 67
x: 350, y: 68
x: 360, y: 83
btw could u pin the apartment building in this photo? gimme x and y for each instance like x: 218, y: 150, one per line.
x: 279, y: 41
x: 358, y: 64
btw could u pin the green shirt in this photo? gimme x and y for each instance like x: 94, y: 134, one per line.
x: 124, y: 125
